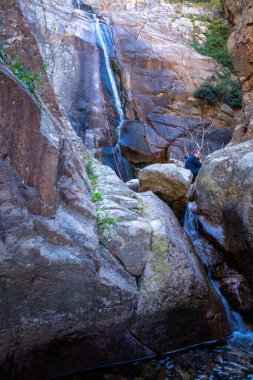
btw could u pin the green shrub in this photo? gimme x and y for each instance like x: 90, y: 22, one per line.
x: 31, y: 79
x: 90, y: 171
x: 207, y: 93
x: 221, y: 88
x: 96, y: 196
x: 233, y: 96
x: 106, y: 222
x: 215, y: 45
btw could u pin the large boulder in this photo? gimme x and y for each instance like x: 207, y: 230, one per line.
x: 224, y: 199
x: 170, y: 182
x: 224, y: 185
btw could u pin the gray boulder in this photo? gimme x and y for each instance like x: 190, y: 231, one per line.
x: 169, y: 182
x: 134, y: 184
x: 224, y: 199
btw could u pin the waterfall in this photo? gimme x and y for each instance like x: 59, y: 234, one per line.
x: 120, y: 164
x: 79, y: 4
x: 191, y: 227
x: 111, y: 75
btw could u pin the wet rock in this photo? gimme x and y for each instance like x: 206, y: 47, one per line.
x: 141, y: 144
x: 169, y: 182
x: 161, y: 100
x: 223, y: 195
x: 237, y: 290
x: 134, y: 185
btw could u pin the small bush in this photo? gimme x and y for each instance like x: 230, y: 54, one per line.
x: 31, y: 79
x: 90, y: 171
x: 233, y: 96
x: 96, y: 196
x: 106, y: 222
x: 207, y: 93
x: 220, y: 89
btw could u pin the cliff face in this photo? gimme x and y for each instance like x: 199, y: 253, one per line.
x: 71, y: 295
x: 240, y: 44
x: 156, y: 70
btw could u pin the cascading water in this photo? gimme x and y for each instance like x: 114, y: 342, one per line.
x: 119, y: 163
x: 112, y: 153
x: 191, y: 227
x: 78, y: 4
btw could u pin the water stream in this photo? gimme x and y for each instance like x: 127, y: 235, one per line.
x: 113, y: 156
x: 235, y: 320
x: 112, y: 152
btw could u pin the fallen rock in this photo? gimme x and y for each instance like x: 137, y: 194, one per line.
x: 169, y: 182
x: 134, y: 184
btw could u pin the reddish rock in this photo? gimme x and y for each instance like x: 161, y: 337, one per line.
x: 240, y: 44
x: 31, y: 139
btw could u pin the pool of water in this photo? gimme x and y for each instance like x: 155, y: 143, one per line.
x: 231, y: 359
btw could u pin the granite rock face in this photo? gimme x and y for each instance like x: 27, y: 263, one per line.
x: 240, y: 44
x: 224, y: 185
x: 151, y: 41
x: 169, y: 182
x: 69, y: 288
x: 159, y: 110
x: 224, y: 198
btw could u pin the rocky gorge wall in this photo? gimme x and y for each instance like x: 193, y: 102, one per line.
x: 224, y: 186
x: 239, y: 15
x: 159, y: 110
x: 72, y: 296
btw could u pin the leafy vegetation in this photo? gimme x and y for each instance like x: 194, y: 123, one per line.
x: 104, y: 220
x: 220, y: 88
x: 215, y: 45
x: 96, y: 196
x: 93, y: 177
x: 31, y: 79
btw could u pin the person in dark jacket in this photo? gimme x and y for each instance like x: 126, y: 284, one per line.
x: 193, y: 163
